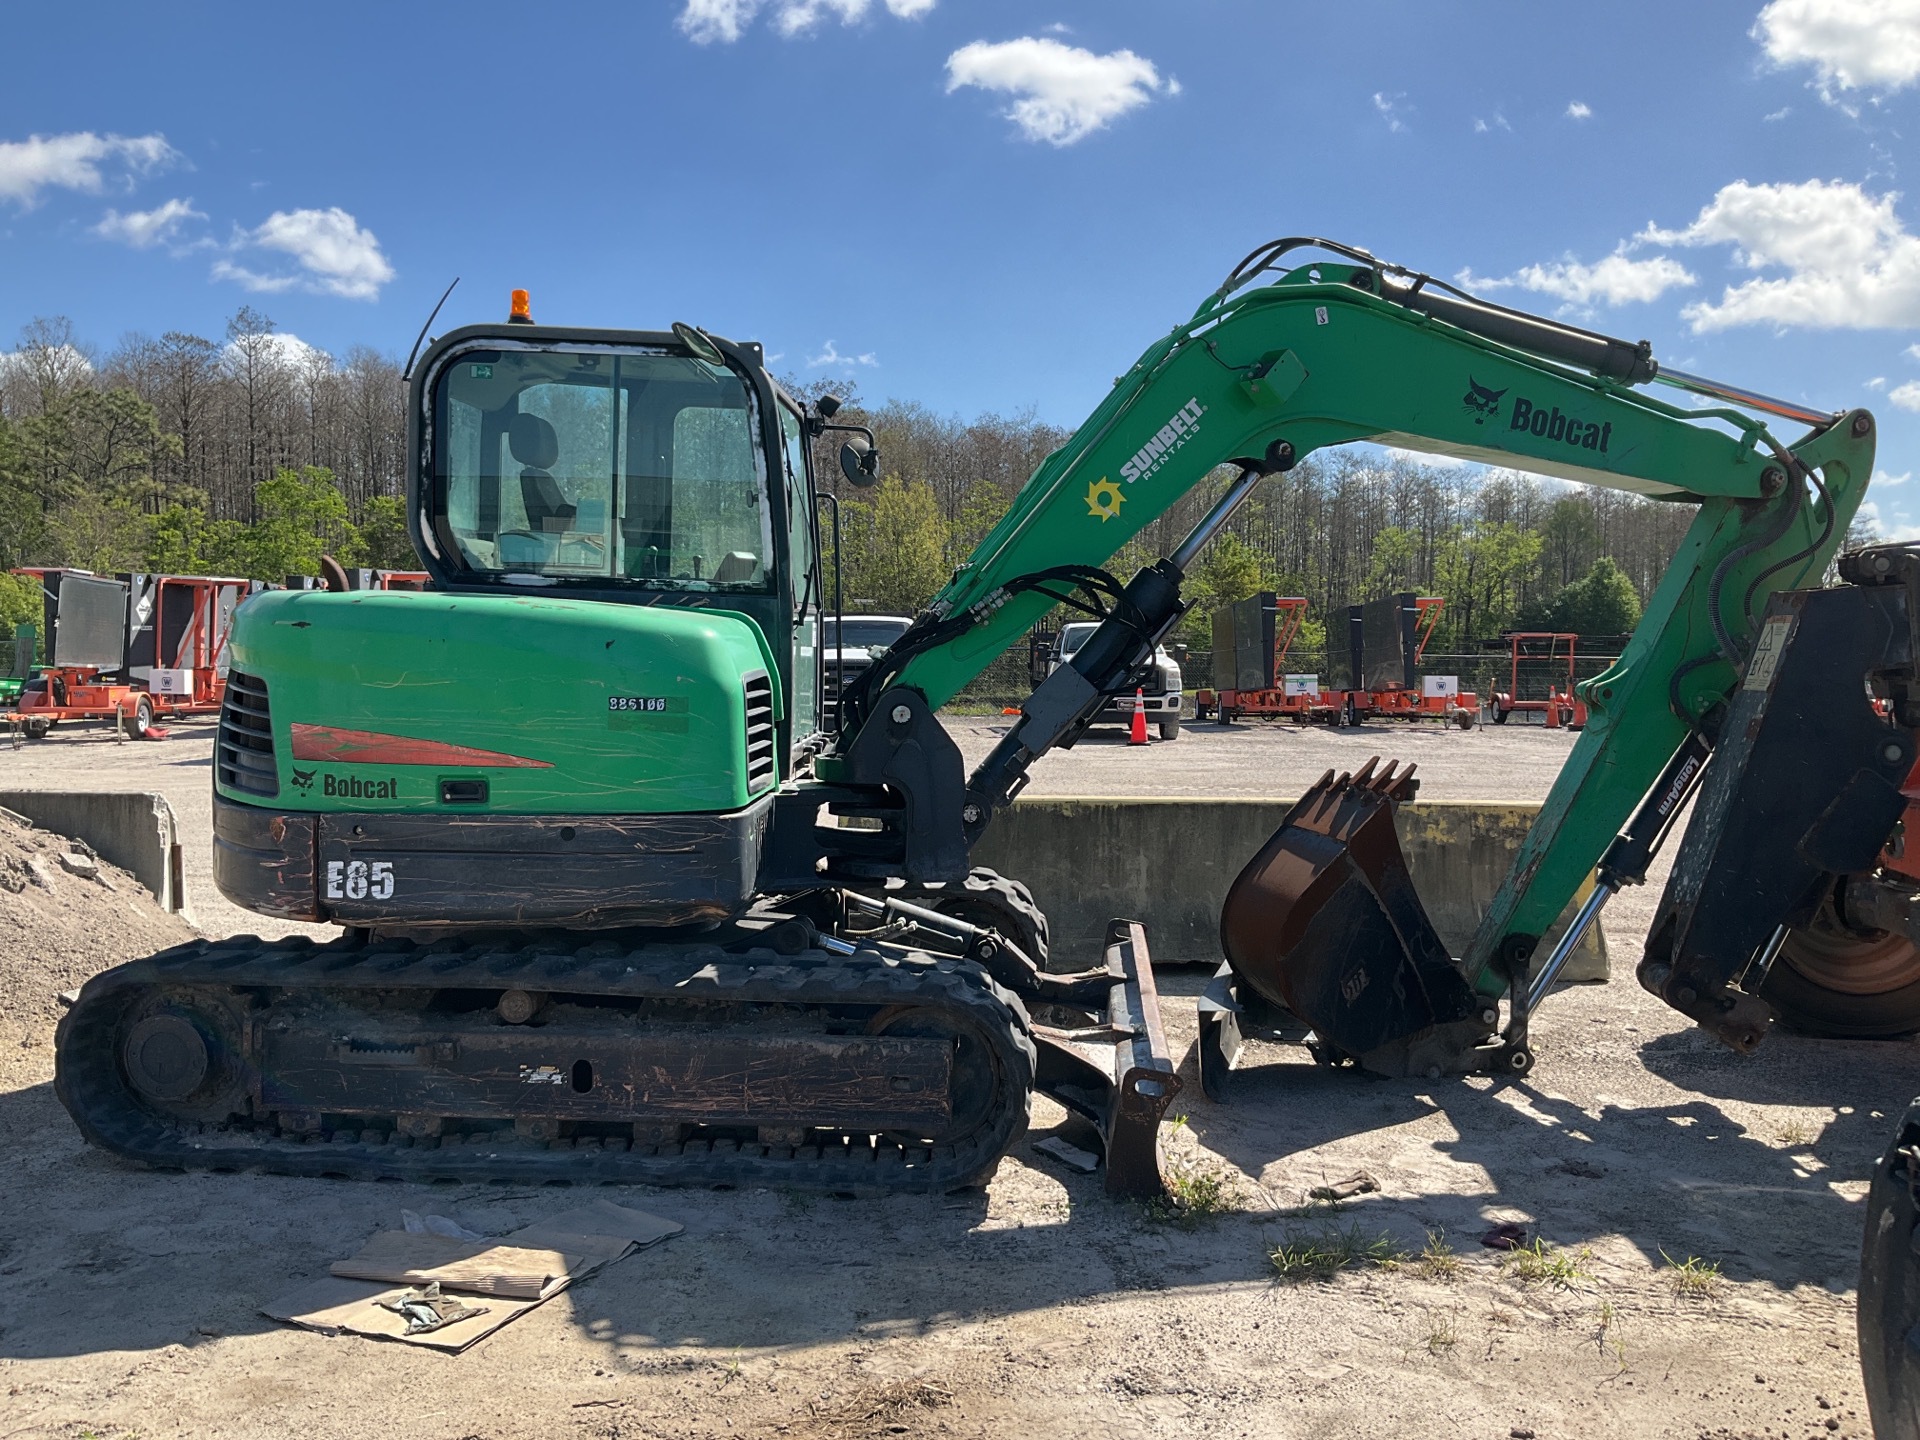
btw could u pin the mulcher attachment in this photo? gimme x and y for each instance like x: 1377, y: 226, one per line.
x: 1324, y: 921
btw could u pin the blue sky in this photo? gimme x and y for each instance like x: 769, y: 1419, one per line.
x: 975, y: 204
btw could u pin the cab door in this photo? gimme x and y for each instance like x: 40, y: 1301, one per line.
x: 804, y: 569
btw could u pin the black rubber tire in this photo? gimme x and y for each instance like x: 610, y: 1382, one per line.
x: 1499, y: 715
x: 989, y: 899
x: 1170, y: 729
x: 37, y: 727
x: 140, y: 722
x: 1889, y: 1302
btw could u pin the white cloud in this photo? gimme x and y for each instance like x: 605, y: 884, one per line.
x: 705, y: 21
x: 1062, y: 93
x: 74, y: 162
x: 1906, y: 396
x: 1869, y: 45
x: 63, y: 364
x: 286, y: 348
x: 334, y: 255
x: 1883, y: 481
x: 1389, y: 108
x: 1421, y: 457
x: 1849, y: 261
x: 832, y: 356
x: 1617, y: 280
x: 1900, y: 532
x: 1878, y: 382
x: 144, y: 228
x: 1483, y: 127
x: 1912, y: 352
x: 1579, y: 110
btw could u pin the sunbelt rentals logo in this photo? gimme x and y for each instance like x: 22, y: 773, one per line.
x: 1179, y: 429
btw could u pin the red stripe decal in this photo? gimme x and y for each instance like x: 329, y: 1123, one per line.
x: 370, y: 747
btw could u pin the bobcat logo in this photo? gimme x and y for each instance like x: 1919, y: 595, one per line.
x: 1482, y: 401
x: 303, y: 780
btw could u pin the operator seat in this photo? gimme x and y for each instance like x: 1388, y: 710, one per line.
x: 534, y: 445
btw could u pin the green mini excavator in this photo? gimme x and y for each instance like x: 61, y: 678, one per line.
x: 615, y: 905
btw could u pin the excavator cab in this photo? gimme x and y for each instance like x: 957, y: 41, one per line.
x: 585, y: 719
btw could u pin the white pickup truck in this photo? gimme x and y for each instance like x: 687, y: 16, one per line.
x: 1159, y: 684
x: 849, y: 649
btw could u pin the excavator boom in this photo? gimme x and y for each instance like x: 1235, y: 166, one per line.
x: 1330, y: 353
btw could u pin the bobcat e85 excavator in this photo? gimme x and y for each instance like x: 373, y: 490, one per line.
x: 616, y: 908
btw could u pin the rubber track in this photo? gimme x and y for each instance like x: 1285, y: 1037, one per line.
x: 88, y: 1081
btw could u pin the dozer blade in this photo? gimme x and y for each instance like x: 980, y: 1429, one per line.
x: 1118, y: 1074
x: 1324, y: 920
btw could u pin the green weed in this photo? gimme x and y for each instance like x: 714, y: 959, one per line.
x: 1542, y: 1264
x: 1437, y: 1260
x: 1692, y: 1278
x: 1334, y: 1248
x: 1194, y: 1194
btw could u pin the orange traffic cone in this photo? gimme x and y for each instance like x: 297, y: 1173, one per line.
x: 1138, y: 735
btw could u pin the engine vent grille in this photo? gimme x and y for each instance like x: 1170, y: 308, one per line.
x: 762, y: 768
x: 243, y: 755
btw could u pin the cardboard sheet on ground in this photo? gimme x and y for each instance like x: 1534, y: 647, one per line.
x: 509, y: 1275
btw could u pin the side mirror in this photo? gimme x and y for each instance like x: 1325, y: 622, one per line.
x: 859, y: 461
x: 699, y: 343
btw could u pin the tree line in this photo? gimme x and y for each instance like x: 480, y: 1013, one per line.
x: 254, y: 454
x: 245, y: 455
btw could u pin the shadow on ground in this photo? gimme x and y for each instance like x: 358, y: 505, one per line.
x: 102, y: 1257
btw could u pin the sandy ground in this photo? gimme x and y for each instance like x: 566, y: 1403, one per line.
x: 128, y: 1300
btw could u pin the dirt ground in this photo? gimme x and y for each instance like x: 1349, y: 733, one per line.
x: 128, y: 1300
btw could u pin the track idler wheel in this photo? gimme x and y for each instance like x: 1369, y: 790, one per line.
x: 1324, y: 921
x: 180, y: 1056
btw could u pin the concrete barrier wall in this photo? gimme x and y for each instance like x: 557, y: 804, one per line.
x: 131, y: 829
x: 1168, y: 863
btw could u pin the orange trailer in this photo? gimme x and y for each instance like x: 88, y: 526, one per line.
x: 1560, y: 705
x: 131, y: 650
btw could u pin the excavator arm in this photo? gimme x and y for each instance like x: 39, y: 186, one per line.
x: 1327, y: 353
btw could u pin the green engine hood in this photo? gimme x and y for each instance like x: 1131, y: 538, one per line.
x: 378, y: 700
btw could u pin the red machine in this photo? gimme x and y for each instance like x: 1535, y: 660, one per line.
x: 1560, y: 704
x: 131, y: 650
x: 1294, y: 697
x: 1403, y: 624
x: 1439, y: 697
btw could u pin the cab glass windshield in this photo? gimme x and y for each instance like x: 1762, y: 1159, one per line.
x: 598, y: 465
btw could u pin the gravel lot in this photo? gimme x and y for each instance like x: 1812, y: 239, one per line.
x: 128, y: 1300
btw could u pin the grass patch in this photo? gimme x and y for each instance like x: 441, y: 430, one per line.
x: 1194, y: 1195
x: 1692, y: 1278
x: 1334, y: 1248
x: 1539, y: 1263
x: 1437, y: 1260
x: 1441, y: 1336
